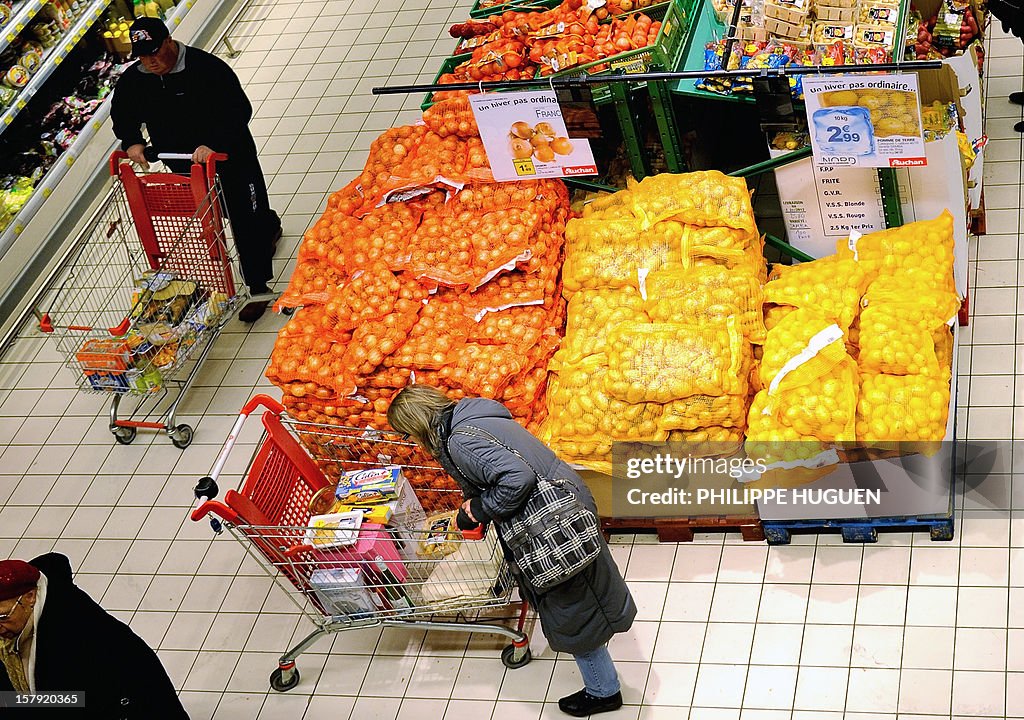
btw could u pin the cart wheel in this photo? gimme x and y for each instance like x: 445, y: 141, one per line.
x: 283, y: 683
x: 124, y: 435
x: 181, y: 436
x: 508, y: 657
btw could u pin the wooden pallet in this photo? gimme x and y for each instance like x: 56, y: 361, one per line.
x: 862, y: 530
x: 682, y: 529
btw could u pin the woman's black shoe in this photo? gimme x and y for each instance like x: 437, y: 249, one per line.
x: 582, y: 703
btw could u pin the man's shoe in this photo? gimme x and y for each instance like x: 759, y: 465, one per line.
x: 582, y: 704
x: 1017, y: 98
x: 1019, y: 127
x: 253, y: 311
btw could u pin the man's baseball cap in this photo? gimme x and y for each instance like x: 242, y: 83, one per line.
x: 147, y: 35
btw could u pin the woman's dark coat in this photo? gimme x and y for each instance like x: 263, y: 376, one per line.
x: 581, y: 614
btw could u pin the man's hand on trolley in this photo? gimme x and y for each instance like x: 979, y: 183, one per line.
x: 136, y: 153
x: 201, y: 154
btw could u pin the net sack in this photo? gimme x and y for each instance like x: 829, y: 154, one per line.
x: 791, y: 337
x: 312, y: 282
x: 660, y: 362
x: 377, y: 339
x: 310, y: 365
x: 920, y: 252
x: 705, y: 411
x: 603, y: 253
x: 709, y: 294
x: 520, y: 327
x: 705, y: 199
x: 517, y: 288
x: 900, y: 408
x: 370, y: 294
x: 482, y: 370
x: 773, y: 314
x: 832, y: 286
x: 453, y: 116
x: 440, y: 328
x: 591, y: 315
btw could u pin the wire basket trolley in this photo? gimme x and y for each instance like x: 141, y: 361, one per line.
x: 393, y: 571
x: 148, y: 286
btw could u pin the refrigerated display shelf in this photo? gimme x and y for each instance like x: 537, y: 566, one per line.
x: 53, y: 58
x: 19, y: 21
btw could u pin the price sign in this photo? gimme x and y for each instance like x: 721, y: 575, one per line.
x: 525, y: 137
x: 865, y: 121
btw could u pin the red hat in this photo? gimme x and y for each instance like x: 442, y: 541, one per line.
x: 17, y: 577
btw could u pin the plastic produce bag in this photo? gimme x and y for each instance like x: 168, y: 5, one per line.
x: 660, y: 362
x: 592, y: 314
x: 920, y: 252
x: 832, y: 286
x: 895, y: 408
x: 709, y: 294
x: 706, y: 199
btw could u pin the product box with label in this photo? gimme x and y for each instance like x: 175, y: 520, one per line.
x: 341, y: 591
x: 369, y: 487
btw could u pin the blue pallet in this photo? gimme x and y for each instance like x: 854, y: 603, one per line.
x: 862, y: 530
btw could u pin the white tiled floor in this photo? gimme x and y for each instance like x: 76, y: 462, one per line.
x: 812, y: 631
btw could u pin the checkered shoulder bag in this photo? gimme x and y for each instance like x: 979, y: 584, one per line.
x: 554, y: 536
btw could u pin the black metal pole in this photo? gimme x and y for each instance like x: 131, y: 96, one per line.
x: 733, y: 24
x: 575, y: 81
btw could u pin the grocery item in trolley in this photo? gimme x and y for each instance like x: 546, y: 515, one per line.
x: 341, y: 591
x: 334, y: 529
x: 369, y: 487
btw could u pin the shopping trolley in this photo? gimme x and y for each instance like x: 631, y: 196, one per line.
x: 400, y: 574
x: 149, y: 285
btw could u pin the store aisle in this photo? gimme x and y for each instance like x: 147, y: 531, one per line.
x: 814, y: 631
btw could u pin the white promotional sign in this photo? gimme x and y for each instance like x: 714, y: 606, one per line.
x: 865, y: 121
x: 525, y: 137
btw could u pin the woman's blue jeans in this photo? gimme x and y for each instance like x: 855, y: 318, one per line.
x: 598, y: 671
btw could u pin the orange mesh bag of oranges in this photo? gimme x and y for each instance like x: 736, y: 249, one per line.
x: 704, y: 411
x: 312, y: 282
x: 370, y: 294
x: 609, y: 253
x: 832, y: 286
x: 706, y: 295
x: 377, y: 339
x: 482, y: 370
x: 901, y: 408
x: 920, y: 252
x: 453, y: 116
x: 591, y: 316
x: 310, y: 365
x: 521, y: 327
x: 705, y: 198
x: 440, y: 328
x: 660, y: 362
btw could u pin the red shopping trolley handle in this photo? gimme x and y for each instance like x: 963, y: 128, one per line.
x: 206, y: 489
x: 118, y: 156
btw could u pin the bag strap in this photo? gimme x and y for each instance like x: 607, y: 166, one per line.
x: 484, y: 435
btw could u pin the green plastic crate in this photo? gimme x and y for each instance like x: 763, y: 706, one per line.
x: 447, y: 66
x: 666, y: 53
x: 516, y: 5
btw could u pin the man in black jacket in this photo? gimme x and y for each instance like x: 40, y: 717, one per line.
x: 1011, y: 15
x: 54, y: 639
x: 191, y: 101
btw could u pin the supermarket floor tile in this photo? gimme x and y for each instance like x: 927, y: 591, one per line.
x: 726, y: 631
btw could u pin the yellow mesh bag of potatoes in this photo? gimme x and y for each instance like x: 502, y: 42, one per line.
x: 704, y: 411
x: 920, y: 252
x: 616, y: 205
x: 942, y: 339
x: 773, y: 314
x: 772, y: 440
x: 832, y: 286
x: 706, y: 199
x: 660, y: 362
x: 591, y: 315
x: 708, y: 294
x: 901, y: 408
x: 603, y: 253
x: 792, y: 336
x: 580, y: 409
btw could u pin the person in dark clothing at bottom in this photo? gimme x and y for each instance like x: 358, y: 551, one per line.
x: 580, y: 615
x: 1010, y: 14
x: 54, y: 639
x: 191, y: 101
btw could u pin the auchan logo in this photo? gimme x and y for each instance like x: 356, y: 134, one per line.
x: 580, y: 170
x: 907, y: 162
